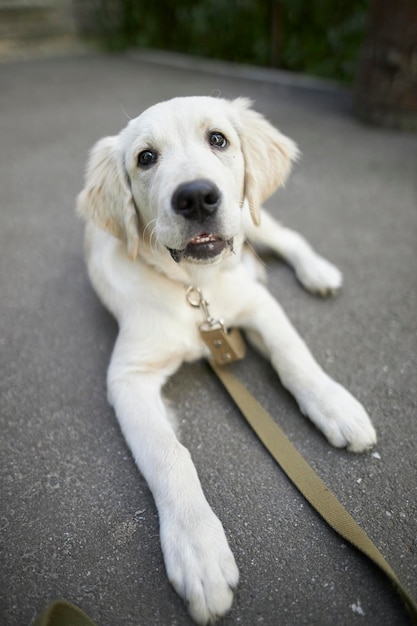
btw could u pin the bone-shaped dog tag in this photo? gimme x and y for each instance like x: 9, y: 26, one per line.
x: 225, y: 346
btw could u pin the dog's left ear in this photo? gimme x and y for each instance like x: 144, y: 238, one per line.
x: 107, y: 198
x: 268, y: 156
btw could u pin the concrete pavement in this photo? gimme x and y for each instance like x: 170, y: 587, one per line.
x: 76, y: 518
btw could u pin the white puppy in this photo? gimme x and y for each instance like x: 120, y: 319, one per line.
x: 168, y: 203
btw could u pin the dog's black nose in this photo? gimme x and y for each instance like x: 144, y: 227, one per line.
x: 196, y: 200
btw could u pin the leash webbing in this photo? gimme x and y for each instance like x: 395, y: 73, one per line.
x: 63, y: 613
x: 306, y: 480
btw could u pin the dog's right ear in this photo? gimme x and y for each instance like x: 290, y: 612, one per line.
x: 107, y: 198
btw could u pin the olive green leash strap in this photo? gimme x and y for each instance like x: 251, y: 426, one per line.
x: 63, y: 613
x: 305, y: 478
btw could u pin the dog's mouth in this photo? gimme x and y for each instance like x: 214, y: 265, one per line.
x: 203, y: 248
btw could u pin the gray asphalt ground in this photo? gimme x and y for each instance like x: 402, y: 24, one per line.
x: 77, y: 519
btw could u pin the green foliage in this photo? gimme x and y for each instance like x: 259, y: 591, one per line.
x: 318, y: 37
x: 322, y: 37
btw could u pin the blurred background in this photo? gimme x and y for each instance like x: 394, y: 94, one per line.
x: 76, y: 518
x: 371, y: 44
x: 319, y: 38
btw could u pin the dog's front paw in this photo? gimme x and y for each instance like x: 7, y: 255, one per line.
x: 319, y: 275
x: 199, y: 563
x: 341, y: 418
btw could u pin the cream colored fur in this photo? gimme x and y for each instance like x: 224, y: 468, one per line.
x: 131, y: 225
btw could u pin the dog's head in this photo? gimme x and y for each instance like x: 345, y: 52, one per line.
x: 178, y: 175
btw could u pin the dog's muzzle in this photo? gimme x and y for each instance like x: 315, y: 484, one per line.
x: 197, y: 201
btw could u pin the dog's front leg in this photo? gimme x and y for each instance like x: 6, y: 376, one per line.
x: 198, y: 560
x: 340, y: 417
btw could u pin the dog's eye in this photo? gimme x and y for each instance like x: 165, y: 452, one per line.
x: 218, y: 140
x: 147, y: 158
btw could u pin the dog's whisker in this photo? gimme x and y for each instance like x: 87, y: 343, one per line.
x: 153, y: 240
x: 148, y: 226
x: 125, y: 113
x: 151, y: 224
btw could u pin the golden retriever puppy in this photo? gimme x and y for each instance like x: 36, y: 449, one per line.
x: 169, y: 203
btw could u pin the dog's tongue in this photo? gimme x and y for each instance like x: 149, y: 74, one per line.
x: 205, y: 246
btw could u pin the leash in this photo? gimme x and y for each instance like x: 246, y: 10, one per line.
x: 63, y: 613
x: 305, y: 478
x: 225, y: 348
